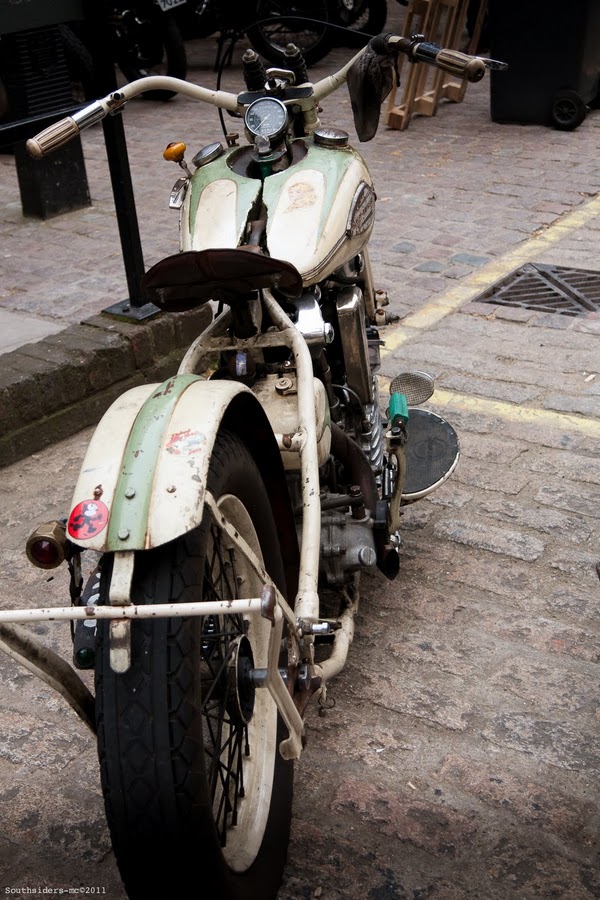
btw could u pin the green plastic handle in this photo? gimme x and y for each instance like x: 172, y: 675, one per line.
x: 398, y: 410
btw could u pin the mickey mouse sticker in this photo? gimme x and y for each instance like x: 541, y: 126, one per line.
x: 87, y: 519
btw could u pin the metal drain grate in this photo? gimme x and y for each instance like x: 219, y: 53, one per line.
x: 553, y: 289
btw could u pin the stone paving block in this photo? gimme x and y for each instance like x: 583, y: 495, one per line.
x: 430, y: 266
x: 516, y: 314
x: 63, y: 422
x: 546, y: 635
x: 89, y: 365
x: 481, y: 536
x: 430, y: 701
x: 553, y: 876
x: 23, y: 398
x: 569, y: 496
x: 490, y: 387
x: 574, y: 467
x: 571, y: 529
x: 107, y: 358
x: 554, y: 743
x: 549, y: 687
x: 540, y: 433
x: 486, y: 476
x: 472, y: 260
x: 528, y: 801
x: 585, y: 406
x: 576, y: 562
x: 429, y: 826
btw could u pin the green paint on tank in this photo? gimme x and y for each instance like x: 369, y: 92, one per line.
x: 131, y: 501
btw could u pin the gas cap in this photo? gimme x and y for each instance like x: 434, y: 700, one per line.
x: 331, y: 137
x: 208, y: 153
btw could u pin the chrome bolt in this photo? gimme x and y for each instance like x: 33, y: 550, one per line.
x: 367, y: 556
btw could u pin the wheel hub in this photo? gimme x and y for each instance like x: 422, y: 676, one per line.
x: 241, y: 690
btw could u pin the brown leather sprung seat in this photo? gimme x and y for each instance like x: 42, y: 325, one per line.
x: 187, y: 279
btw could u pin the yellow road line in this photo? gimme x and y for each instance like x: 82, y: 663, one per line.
x: 520, y: 414
x: 473, y: 285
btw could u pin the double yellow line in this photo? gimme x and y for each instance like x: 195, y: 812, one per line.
x: 469, y: 289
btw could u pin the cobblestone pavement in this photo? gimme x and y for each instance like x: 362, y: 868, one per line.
x: 461, y: 757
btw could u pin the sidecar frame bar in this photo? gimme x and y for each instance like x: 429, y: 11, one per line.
x: 271, y: 605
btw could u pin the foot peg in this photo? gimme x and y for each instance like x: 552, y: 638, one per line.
x: 417, y: 387
x: 432, y: 454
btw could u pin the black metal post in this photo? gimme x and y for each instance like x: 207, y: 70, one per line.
x: 37, y: 82
x: 100, y: 42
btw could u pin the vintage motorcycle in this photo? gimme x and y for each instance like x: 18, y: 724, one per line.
x: 235, y: 505
x: 315, y: 26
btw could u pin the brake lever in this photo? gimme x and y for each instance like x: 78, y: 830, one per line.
x: 496, y: 64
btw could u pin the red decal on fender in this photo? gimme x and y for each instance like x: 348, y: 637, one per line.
x: 186, y: 442
x: 87, y: 519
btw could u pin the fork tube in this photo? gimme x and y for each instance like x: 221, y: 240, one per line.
x: 307, y: 599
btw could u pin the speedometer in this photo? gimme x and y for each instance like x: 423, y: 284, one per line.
x: 266, y: 117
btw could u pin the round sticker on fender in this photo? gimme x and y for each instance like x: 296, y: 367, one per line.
x: 87, y: 519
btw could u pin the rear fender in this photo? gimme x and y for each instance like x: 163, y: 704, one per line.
x: 143, y: 479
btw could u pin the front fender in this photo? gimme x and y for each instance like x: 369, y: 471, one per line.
x: 143, y: 479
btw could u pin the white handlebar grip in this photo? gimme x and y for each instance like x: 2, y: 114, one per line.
x: 52, y: 138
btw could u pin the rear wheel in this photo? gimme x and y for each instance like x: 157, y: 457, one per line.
x: 312, y: 37
x: 196, y: 791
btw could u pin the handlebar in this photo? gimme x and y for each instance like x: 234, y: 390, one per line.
x: 419, y: 50
x: 61, y: 132
x: 416, y: 48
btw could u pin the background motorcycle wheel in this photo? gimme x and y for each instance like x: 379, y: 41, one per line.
x: 270, y: 40
x: 171, y: 737
x: 150, y: 45
x: 366, y: 16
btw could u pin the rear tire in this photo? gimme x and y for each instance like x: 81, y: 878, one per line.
x: 173, y: 734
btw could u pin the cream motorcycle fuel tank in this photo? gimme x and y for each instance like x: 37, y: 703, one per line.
x: 320, y: 211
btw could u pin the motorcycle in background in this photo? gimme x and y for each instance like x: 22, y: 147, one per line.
x: 143, y: 39
x: 314, y: 26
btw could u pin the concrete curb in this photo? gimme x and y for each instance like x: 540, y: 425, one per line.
x: 53, y: 388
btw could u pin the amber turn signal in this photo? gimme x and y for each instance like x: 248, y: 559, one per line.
x: 175, y: 151
x: 46, y: 547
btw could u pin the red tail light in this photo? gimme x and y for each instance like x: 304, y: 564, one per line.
x: 46, y: 547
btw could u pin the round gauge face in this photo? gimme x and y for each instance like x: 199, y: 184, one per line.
x: 266, y: 117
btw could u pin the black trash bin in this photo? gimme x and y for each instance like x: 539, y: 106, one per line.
x: 553, y: 56
x: 35, y: 79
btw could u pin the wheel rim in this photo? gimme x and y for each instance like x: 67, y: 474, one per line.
x: 239, y: 747
x: 565, y: 111
x: 280, y: 34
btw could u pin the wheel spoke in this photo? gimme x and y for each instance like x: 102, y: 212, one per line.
x: 226, y: 741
